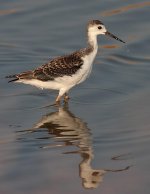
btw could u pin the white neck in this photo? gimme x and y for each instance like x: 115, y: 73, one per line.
x: 92, y: 41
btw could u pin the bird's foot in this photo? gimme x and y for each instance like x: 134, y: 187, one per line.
x: 66, y: 98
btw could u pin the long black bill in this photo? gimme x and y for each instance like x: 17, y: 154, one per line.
x: 113, y: 36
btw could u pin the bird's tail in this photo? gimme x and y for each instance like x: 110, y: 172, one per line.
x: 24, y: 75
x: 12, y: 77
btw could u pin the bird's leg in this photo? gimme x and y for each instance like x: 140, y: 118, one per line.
x: 62, y: 92
x: 66, y: 97
x: 57, y: 101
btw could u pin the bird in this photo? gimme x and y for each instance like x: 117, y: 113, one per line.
x: 64, y: 72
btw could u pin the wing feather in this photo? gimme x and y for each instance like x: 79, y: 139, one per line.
x: 59, y: 67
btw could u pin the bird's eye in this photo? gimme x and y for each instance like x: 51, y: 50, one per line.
x: 99, y: 27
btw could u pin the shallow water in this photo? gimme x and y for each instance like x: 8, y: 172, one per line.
x: 99, y: 143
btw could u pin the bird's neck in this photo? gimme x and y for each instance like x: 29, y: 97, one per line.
x: 92, y: 45
x: 92, y: 41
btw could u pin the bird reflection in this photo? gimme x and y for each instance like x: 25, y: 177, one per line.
x: 69, y: 130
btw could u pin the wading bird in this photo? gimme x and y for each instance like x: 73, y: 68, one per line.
x: 64, y: 72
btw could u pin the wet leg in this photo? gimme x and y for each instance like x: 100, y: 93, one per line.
x: 58, y: 99
x: 66, y: 97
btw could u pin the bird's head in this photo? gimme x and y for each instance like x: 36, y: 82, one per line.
x: 96, y: 27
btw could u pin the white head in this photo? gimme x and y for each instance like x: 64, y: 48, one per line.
x: 96, y: 27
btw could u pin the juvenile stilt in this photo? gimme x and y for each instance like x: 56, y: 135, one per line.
x: 65, y: 72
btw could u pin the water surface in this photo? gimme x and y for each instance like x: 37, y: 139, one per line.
x: 99, y: 142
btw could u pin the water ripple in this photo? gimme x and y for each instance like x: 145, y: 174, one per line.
x: 125, y: 9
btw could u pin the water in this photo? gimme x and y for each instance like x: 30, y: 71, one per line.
x: 99, y: 143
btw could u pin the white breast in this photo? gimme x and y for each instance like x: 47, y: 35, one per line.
x: 87, y: 67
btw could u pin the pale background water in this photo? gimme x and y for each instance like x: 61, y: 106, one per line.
x: 100, y: 143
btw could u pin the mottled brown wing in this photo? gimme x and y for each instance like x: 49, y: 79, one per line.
x: 59, y: 67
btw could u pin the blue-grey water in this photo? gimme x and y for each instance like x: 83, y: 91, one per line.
x: 98, y: 143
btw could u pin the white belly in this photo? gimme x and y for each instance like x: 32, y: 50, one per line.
x: 42, y: 84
